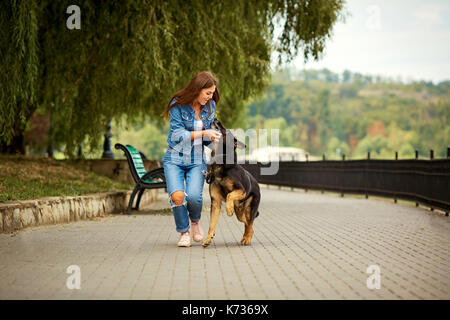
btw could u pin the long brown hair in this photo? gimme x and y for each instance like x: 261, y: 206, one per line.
x: 185, y: 96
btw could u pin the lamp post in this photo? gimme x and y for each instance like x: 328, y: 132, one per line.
x: 107, y: 153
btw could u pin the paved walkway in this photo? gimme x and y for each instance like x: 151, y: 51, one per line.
x: 306, y: 246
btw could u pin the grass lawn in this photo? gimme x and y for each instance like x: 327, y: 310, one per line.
x: 25, y: 178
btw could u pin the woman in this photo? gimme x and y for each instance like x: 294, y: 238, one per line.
x: 191, y: 111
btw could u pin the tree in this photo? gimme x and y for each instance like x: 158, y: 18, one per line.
x: 348, y: 91
x: 130, y: 56
x: 336, y: 148
x: 147, y: 138
x: 375, y: 145
x: 323, y: 115
x: 329, y: 76
x: 346, y: 76
x: 287, y: 133
x: 19, y: 71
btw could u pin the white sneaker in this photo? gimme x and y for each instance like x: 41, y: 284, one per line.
x: 185, y: 239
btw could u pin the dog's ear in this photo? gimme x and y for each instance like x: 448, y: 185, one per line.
x: 238, y: 144
x: 219, y: 124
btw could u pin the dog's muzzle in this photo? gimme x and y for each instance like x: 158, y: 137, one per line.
x: 208, y: 177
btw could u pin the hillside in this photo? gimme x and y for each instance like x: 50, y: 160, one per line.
x: 321, y: 113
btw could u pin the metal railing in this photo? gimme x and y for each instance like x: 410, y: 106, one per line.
x: 423, y: 181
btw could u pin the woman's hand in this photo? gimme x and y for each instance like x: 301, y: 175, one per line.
x: 212, y: 134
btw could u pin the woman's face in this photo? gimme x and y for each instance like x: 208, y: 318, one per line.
x: 205, y: 95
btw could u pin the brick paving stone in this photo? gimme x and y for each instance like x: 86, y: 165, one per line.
x: 305, y: 246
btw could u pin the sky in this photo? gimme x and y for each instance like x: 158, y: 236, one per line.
x: 407, y: 39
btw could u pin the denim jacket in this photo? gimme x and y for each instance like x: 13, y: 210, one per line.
x: 181, y: 126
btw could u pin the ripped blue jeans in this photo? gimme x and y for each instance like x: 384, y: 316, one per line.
x: 191, y: 208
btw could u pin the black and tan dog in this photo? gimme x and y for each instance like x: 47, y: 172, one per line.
x: 231, y: 183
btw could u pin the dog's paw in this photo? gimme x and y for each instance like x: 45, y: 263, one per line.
x: 206, y: 242
x: 246, y: 241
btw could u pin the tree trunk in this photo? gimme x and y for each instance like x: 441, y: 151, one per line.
x: 16, y: 145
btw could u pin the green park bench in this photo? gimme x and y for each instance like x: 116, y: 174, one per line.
x: 144, y: 180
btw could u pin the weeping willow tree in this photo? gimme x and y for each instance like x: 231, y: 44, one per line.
x: 130, y: 56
